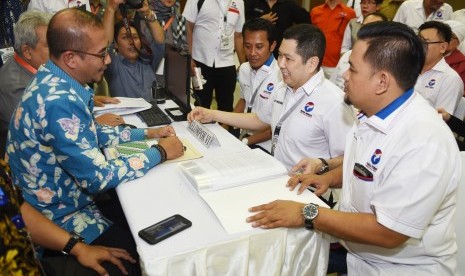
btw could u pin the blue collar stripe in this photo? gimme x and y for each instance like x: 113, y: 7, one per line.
x: 269, y: 60
x: 383, y: 113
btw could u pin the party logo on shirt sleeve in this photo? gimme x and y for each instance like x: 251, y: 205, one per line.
x: 233, y: 8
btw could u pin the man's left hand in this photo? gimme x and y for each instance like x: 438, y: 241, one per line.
x: 161, y: 132
x: 279, y: 213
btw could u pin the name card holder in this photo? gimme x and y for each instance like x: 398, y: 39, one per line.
x: 204, y: 135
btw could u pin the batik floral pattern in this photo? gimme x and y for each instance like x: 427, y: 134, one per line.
x: 55, y: 152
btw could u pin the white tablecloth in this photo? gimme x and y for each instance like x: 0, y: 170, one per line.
x: 206, y: 248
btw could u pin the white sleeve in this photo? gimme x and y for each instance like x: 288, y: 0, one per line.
x: 190, y: 10
x: 241, y: 79
x: 241, y: 20
x: 450, y: 93
x: 347, y: 39
x: 265, y: 114
x: 400, y: 14
x: 411, y: 215
x: 336, y: 129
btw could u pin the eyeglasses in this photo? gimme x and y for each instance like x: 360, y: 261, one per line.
x: 433, y: 42
x: 101, y: 55
x: 430, y: 42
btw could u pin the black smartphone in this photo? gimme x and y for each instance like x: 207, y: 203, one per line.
x: 164, y: 229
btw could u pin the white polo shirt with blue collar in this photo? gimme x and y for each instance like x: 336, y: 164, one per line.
x: 267, y: 79
x: 412, y: 14
x: 403, y: 165
x: 441, y: 86
x: 316, y: 127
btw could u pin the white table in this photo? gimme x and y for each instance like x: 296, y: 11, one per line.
x: 206, y: 248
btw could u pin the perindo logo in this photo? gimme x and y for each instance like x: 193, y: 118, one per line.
x: 308, y: 108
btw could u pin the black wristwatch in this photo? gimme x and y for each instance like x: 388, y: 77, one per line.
x: 324, y: 168
x: 310, y: 212
x: 73, y: 240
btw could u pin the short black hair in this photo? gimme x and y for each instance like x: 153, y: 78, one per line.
x: 310, y: 41
x: 260, y: 24
x: 120, y: 25
x: 444, y: 30
x: 394, y: 47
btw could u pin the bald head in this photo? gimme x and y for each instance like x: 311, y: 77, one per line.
x: 70, y: 29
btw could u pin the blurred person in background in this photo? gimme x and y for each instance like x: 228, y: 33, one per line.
x: 350, y: 34
x: 413, y: 13
x: 454, y: 57
x: 129, y: 74
x: 332, y: 18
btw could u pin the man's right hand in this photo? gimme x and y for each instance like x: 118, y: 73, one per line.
x: 200, y: 114
x: 173, y: 147
x: 306, y: 166
x: 92, y: 256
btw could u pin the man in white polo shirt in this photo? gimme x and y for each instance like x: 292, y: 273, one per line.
x: 400, y: 171
x: 213, y: 33
x: 308, y: 116
x: 413, y: 13
x: 258, y: 78
x: 438, y: 83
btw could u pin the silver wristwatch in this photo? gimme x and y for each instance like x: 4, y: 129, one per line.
x: 310, y: 212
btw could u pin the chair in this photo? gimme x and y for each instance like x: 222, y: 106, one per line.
x: 460, y: 221
x: 460, y: 111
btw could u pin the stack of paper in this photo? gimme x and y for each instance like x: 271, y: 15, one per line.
x: 125, y: 106
x: 231, y: 184
x: 231, y: 206
x: 223, y: 171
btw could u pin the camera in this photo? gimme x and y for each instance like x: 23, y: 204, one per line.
x: 134, y: 4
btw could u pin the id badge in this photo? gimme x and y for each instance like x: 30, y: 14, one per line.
x: 225, y: 42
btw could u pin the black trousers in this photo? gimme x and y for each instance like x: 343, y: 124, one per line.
x: 223, y: 81
x: 118, y: 236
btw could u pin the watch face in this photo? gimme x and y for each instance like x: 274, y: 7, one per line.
x: 310, y: 211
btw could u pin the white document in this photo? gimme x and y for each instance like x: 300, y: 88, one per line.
x: 125, y: 106
x: 230, y: 170
x: 231, y: 205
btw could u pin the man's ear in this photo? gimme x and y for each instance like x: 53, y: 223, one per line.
x: 69, y: 58
x: 383, y: 81
x: 27, y: 53
x: 312, y: 63
x: 444, y: 47
x: 273, y: 46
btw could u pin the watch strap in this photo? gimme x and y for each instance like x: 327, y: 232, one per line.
x: 309, y: 224
x: 324, y: 168
x: 73, y: 240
